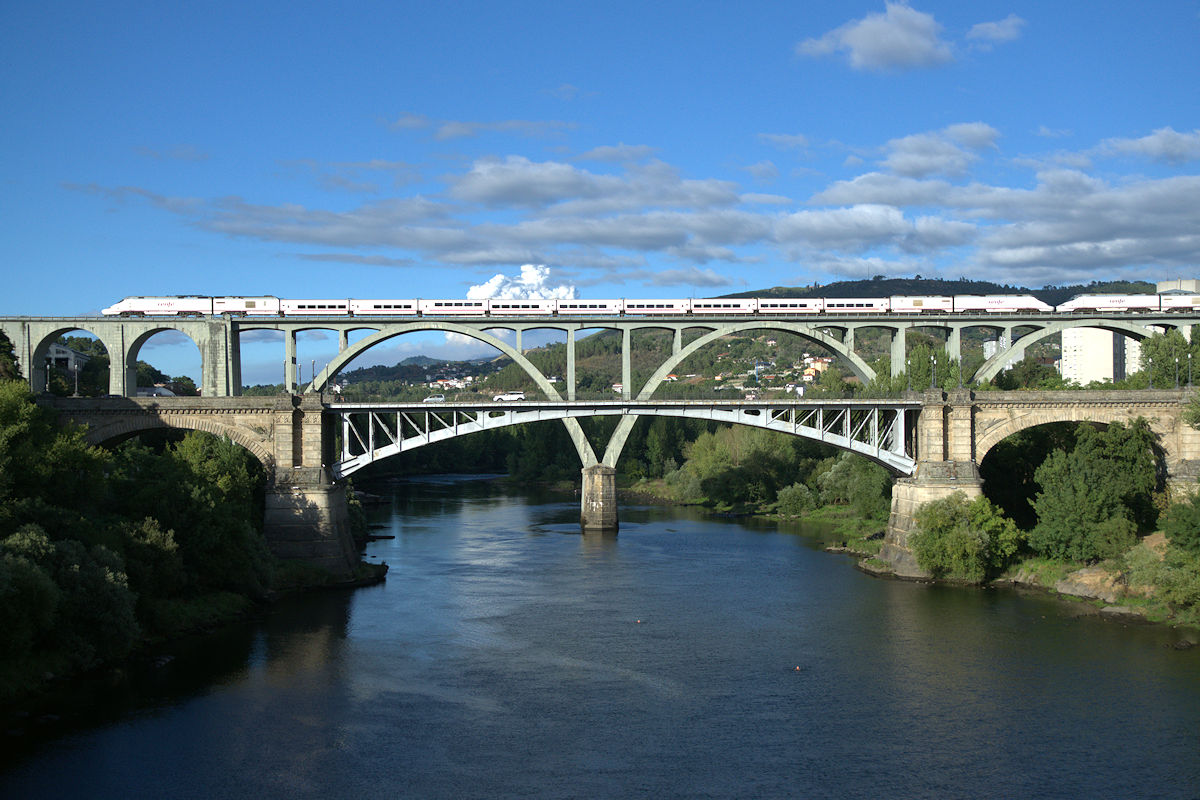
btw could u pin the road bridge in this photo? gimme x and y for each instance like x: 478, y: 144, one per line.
x: 933, y: 442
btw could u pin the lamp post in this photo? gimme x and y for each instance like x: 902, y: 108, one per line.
x: 75, y: 364
x: 1176, y: 372
x: 933, y: 371
x: 1189, y: 369
x: 908, y: 373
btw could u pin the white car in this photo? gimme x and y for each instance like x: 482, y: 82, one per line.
x: 435, y: 398
x: 506, y: 396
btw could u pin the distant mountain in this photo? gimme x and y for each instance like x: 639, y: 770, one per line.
x: 886, y: 287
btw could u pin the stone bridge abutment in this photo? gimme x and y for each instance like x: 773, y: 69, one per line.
x: 957, y: 429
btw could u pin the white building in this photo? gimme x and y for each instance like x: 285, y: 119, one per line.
x: 1090, y: 354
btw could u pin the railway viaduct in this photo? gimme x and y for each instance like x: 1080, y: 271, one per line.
x: 934, y: 442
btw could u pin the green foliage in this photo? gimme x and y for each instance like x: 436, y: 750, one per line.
x: 8, y: 360
x: 965, y: 540
x: 1095, y: 498
x: 863, y: 485
x: 1164, y: 358
x: 98, y: 547
x: 795, y: 500
x: 1030, y: 374
x: 1181, y: 524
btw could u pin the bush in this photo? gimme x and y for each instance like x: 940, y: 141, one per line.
x: 794, y: 500
x: 966, y: 540
x: 1181, y: 524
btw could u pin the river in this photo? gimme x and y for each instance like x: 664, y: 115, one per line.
x: 508, y: 656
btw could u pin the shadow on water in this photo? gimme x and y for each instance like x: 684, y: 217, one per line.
x: 507, y: 655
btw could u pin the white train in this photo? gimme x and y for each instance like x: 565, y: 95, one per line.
x: 269, y: 305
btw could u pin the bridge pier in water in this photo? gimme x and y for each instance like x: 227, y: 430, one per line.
x: 598, y: 500
x: 307, y: 520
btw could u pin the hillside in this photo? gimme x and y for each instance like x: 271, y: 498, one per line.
x: 886, y: 287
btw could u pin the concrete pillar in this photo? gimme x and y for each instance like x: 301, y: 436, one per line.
x: 571, y: 364
x: 289, y: 361
x: 677, y: 341
x: 954, y: 344
x: 626, y: 371
x: 899, y: 351
x: 848, y: 339
x: 598, y: 503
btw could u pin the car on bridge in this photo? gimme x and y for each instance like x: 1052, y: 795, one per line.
x: 435, y: 398
x: 508, y: 396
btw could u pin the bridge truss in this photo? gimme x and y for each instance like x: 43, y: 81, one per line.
x: 878, y: 429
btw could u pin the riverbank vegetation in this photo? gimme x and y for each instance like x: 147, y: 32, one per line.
x: 103, y: 550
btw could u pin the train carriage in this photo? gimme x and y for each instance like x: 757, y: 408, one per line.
x: 999, y: 304
x: 610, y: 308
x: 791, y: 305
x: 658, y: 307
x: 453, y: 308
x: 926, y: 304
x: 1179, y: 302
x: 523, y: 308
x: 383, y: 308
x: 264, y: 305
x: 743, y: 305
x: 311, y: 308
x: 857, y: 305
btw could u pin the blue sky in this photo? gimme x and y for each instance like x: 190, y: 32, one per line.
x: 634, y: 149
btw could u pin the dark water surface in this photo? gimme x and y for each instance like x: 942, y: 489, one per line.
x: 507, y: 656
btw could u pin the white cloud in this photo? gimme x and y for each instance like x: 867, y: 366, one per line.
x: 785, y: 141
x: 763, y: 170
x: 1165, y: 144
x: 945, y: 152
x: 532, y: 284
x: 1005, y: 30
x: 899, y: 38
x: 619, y: 153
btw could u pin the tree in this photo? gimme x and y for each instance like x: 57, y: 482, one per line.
x: 966, y: 540
x: 1094, y: 499
x: 8, y: 360
x: 1164, y: 358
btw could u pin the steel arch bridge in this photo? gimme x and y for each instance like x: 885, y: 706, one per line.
x: 878, y: 429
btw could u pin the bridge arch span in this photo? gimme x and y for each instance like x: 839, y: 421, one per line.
x: 859, y: 367
x: 586, y: 454
x: 877, y: 431
x: 124, y: 427
x: 992, y: 367
x: 1048, y: 415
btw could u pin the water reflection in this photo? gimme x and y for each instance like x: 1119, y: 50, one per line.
x: 507, y: 655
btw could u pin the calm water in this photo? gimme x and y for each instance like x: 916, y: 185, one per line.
x: 507, y: 656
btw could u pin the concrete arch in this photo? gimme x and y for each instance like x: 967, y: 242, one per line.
x: 126, y: 426
x: 586, y: 454
x: 617, y: 442
x: 992, y: 367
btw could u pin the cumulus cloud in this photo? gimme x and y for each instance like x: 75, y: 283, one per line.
x: 1165, y: 144
x: 944, y: 152
x: 619, y: 153
x: 622, y: 220
x: 532, y: 284
x: 1005, y: 30
x: 899, y: 38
